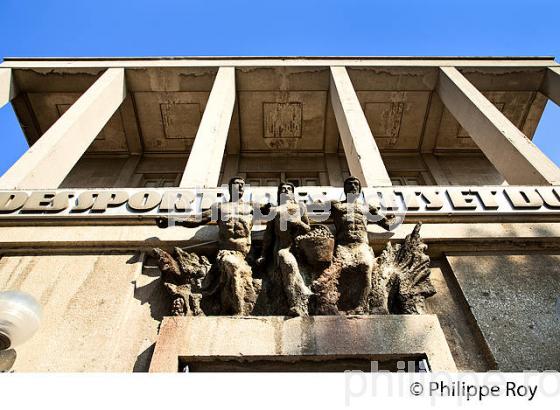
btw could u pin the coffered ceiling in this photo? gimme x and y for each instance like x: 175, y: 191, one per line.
x: 278, y: 109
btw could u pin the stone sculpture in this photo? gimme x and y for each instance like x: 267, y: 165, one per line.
x: 305, y: 268
x: 346, y: 285
x: 402, y: 277
x: 182, y: 276
x: 278, y: 251
x: 228, y: 286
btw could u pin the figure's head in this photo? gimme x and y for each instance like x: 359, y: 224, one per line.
x: 236, y: 186
x: 352, y: 186
x: 286, y: 191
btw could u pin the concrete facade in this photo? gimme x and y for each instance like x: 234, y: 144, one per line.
x: 156, y: 124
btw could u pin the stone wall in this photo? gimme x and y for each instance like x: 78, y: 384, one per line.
x: 100, y: 311
x: 94, y: 173
x: 91, y: 172
x: 514, y: 300
x: 470, y: 170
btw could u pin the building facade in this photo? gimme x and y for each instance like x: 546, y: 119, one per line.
x: 442, y: 141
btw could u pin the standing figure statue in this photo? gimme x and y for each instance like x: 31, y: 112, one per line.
x: 278, y: 251
x: 346, y: 285
x: 230, y: 279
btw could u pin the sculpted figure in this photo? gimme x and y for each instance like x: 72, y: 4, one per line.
x: 347, y: 284
x: 278, y: 250
x: 402, y: 280
x: 230, y: 278
x: 182, y: 275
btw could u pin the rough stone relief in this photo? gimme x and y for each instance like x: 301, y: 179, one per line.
x: 301, y: 269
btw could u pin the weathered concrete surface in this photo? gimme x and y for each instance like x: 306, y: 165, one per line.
x: 94, y: 173
x: 282, y: 108
x: 464, y: 340
x: 514, y: 299
x: 472, y: 170
x: 205, y: 162
x: 7, y: 89
x: 362, y: 153
x: 100, y: 312
x: 358, y: 61
x: 66, y: 141
x: 328, y: 336
x: 551, y: 84
x: 439, y: 236
x: 509, y: 150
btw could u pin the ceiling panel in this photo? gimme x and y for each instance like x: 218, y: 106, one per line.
x: 515, y: 105
x: 284, y: 109
x: 169, y: 120
x: 396, y: 118
x: 278, y: 120
x: 49, y: 107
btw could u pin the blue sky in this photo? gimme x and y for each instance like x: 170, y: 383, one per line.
x: 281, y: 27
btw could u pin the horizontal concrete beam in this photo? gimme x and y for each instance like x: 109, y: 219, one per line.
x: 362, y: 153
x: 274, y: 338
x: 7, y: 86
x: 205, y: 160
x: 283, y: 62
x: 132, y: 237
x: 518, y: 160
x: 52, y: 157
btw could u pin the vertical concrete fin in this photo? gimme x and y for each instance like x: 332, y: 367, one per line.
x: 67, y: 139
x: 551, y: 84
x: 435, y: 169
x: 205, y: 160
x: 508, y: 149
x: 362, y: 153
x: 7, y: 87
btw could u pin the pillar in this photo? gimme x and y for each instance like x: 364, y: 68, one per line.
x: 551, y: 84
x: 362, y: 153
x: 47, y: 163
x: 205, y: 160
x: 508, y: 149
x: 7, y: 88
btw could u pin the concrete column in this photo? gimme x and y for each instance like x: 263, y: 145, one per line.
x: 436, y: 171
x: 362, y: 154
x: 207, y: 153
x: 551, y: 84
x: 510, y: 151
x: 7, y: 88
x: 231, y: 167
x: 334, y: 171
x: 47, y: 163
x: 127, y: 172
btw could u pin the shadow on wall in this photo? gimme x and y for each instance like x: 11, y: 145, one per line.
x: 513, y: 298
x: 149, y: 291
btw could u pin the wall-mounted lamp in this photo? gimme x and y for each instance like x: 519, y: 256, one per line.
x: 20, y: 317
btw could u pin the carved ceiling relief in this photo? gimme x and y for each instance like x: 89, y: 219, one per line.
x: 282, y: 124
x: 396, y: 118
x: 180, y: 120
x: 384, y: 119
x: 169, y: 121
x: 279, y: 108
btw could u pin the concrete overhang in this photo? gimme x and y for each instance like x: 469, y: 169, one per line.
x: 166, y: 97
